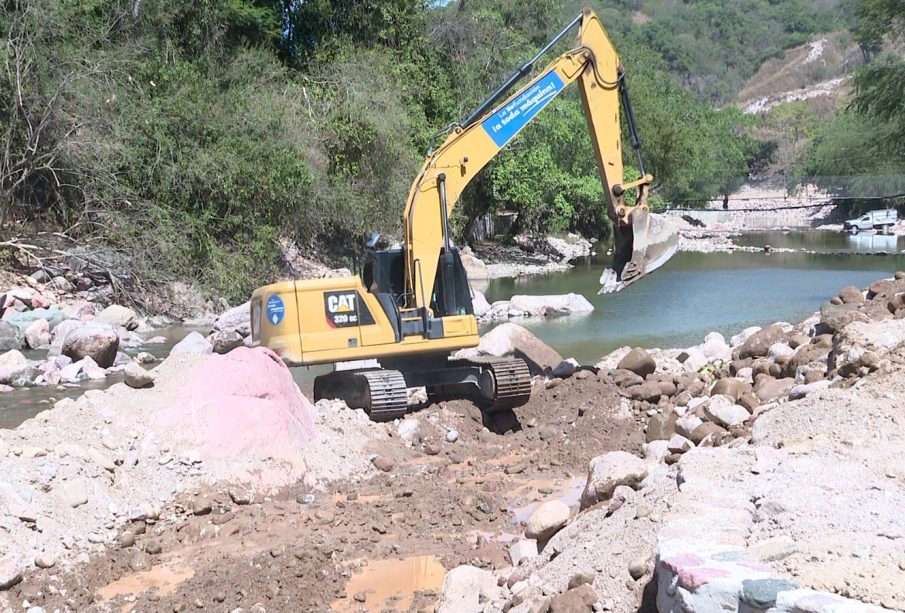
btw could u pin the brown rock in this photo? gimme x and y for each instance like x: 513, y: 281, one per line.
x: 576, y: 600
x: 813, y: 376
x: 661, y: 426
x: 797, y: 340
x: 639, y: 362
x: 836, y: 317
x: 759, y: 343
x: 823, y: 340
x: 383, y: 463
x: 851, y: 295
x: 100, y: 342
x: 625, y: 378
x: 730, y: 387
x: 511, y: 340
x: 737, y: 365
x: 768, y: 389
x: 749, y: 400
x: 649, y: 391
x: 705, y: 429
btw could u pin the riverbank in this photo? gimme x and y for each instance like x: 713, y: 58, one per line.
x: 735, y: 473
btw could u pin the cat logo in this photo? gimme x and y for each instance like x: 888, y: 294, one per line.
x: 341, y: 309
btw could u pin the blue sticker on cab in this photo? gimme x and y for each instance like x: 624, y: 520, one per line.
x: 275, y: 309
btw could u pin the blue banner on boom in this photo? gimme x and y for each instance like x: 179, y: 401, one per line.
x: 503, y: 125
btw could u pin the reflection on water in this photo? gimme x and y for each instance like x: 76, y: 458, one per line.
x: 824, y: 241
x: 391, y: 584
x: 691, y: 295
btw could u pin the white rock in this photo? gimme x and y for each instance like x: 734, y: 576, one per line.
x: 564, y: 304
x: 607, y: 471
x: 679, y: 444
x: 686, y: 424
x: 138, y: 377
x: 715, y: 347
x: 10, y: 574
x: 523, y: 549
x: 74, y: 492
x: 409, y: 430
x: 452, y: 436
x: 780, y: 349
x: 744, y: 335
x: 547, y: 520
x: 479, y: 304
x: 692, y: 359
x: 236, y: 319
x: 800, y: 391
x: 722, y: 410
x: 656, y: 451
x: 118, y: 315
x: 13, y: 366
x: 466, y: 589
x: 92, y: 370
x: 37, y: 334
x: 193, y: 343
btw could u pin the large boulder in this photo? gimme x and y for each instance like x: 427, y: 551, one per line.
x: 851, y: 295
x: 475, y: 268
x: 639, y: 362
x: 37, y: 334
x: 468, y: 589
x: 580, y: 599
x: 13, y: 367
x: 479, y: 303
x: 836, y: 316
x: 117, y: 315
x: 236, y: 319
x: 607, y: 471
x: 863, y: 344
x: 547, y: 520
x: 563, y: 304
x: 98, y: 341
x: 24, y: 319
x: 759, y: 343
x: 224, y: 341
x: 10, y: 336
x: 769, y: 388
x: 724, y: 411
x: 715, y: 347
x: 512, y: 340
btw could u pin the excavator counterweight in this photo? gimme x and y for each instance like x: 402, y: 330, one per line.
x: 411, y: 307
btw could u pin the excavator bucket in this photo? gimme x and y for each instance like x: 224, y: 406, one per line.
x: 640, y: 248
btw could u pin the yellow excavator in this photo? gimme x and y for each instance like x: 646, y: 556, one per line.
x: 411, y: 306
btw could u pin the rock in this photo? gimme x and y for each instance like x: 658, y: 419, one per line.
x: 577, y: 600
x: 758, y: 344
x: 40, y: 276
x: 37, y: 334
x: 62, y: 284
x: 722, y: 410
x: 715, y: 348
x: 566, y: 368
x: 383, y: 463
x: 22, y: 320
x: 138, y: 377
x: 14, y: 366
x: 547, y: 520
x: 467, y: 589
x: 511, y: 340
x: 740, y: 338
x: 100, y: 342
x: 10, y: 336
x: 581, y: 578
x: 654, y: 452
x: 836, y: 317
x: 72, y: 373
x: 692, y: 359
x: 686, y: 424
x: 637, y: 568
x: 851, y: 295
x: 639, y: 362
x: 649, y: 391
x: 523, y: 549
x: 409, y: 430
x: 241, y: 495
x: 780, y: 349
x: 625, y: 378
x: 92, y: 370
x: 769, y: 388
x: 10, y: 574
x: 609, y: 470
x: 236, y: 319
x: 730, y: 387
x: 564, y: 304
x: 45, y: 560
x: 140, y: 561
x: 662, y: 426
x: 475, y: 268
x: 800, y: 391
x: 479, y: 303
x: 117, y: 315
x: 74, y: 492
x: 760, y: 594
x: 451, y: 436
x: 679, y: 444
x: 706, y: 429
x: 194, y: 344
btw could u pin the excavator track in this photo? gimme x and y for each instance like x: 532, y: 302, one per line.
x: 381, y: 394
x: 510, y: 379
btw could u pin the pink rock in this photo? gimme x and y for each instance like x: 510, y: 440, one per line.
x: 39, y: 301
x: 675, y: 563
x: 694, y: 577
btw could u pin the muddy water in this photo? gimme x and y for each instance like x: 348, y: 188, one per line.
x: 693, y: 294
x: 391, y: 584
x: 825, y: 241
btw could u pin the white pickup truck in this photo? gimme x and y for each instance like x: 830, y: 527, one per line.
x: 882, y: 219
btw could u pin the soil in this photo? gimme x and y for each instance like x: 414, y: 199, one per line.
x: 358, y: 545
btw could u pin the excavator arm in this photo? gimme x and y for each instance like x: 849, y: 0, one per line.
x: 642, y: 242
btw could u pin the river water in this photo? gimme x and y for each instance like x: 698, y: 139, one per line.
x: 676, y: 306
x: 692, y: 294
